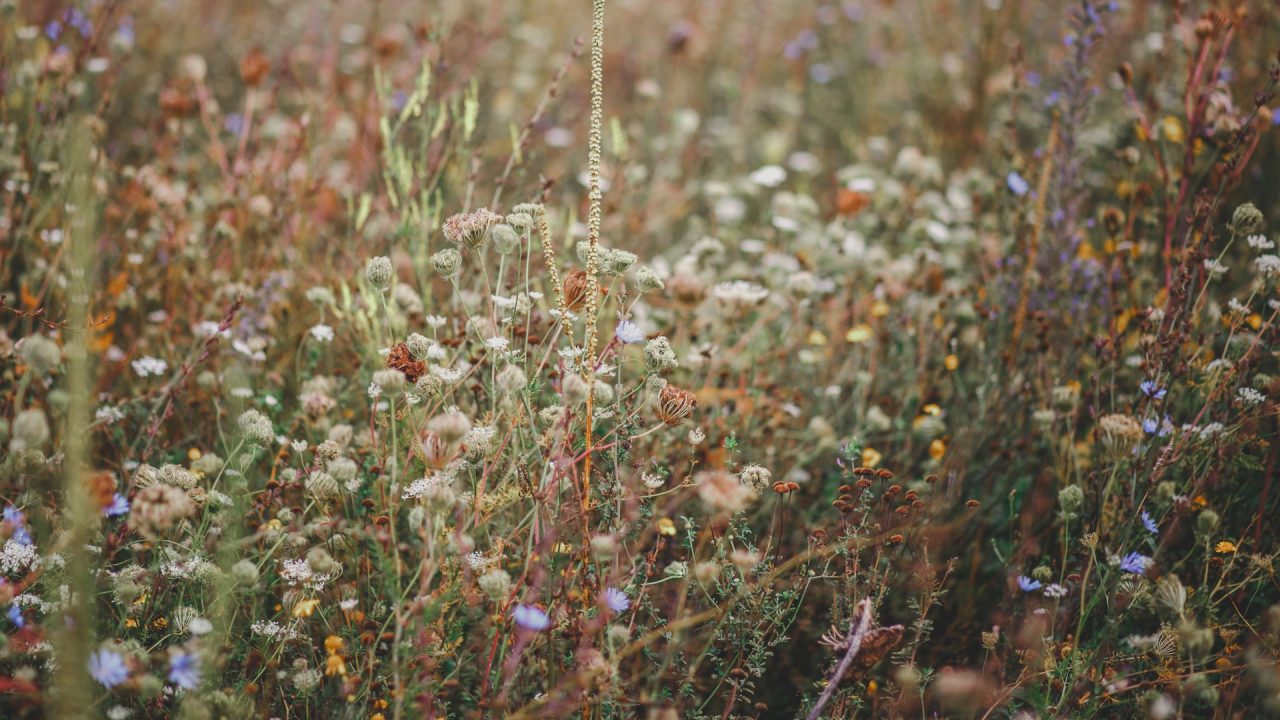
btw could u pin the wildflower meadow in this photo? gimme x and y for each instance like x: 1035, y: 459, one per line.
x: 656, y: 359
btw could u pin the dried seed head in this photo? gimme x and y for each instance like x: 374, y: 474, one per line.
x: 402, y: 358
x: 576, y: 286
x: 674, y: 404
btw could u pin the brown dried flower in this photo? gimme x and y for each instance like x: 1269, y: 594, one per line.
x: 674, y: 404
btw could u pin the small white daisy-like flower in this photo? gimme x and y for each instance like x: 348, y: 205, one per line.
x: 1055, y: 591
x: 108, y: 414
x: 497, y: 343
x: 1237, y: 306
x: 245, y: 349
x: 629, y: 333
x: 436, y: 321
x: 375, y: 390
x: 1215, y: 267
x: 572, y: 353
x: 739, y: 292
x: 769, y: 176
x: 147, y: 366
x: 1260, y: 242
x: 243, y: 393
x: 653, y: 481
x: 1251, y: 397
x: 1268, y: 265
x: 322, y: 333
x: 1218, y: 364
x: 504, y: 303
x: 348, y: 604
x: 450, y: 376
x: 209, y: 328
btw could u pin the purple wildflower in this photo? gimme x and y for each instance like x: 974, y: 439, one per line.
x: 119, y: 506
x: 1149, y: 524
x: 1018, y: 185
x: 529, y: 617
x: 108, y: 668
x: 1151, y: 390
x: 1027, y: 584
x: 616, y: 600
x: 1135, y: 563
x: 184, y: 670
x: 628, y: 333
x: 15, y: 616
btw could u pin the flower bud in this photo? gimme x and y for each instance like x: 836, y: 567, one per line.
x: 447, y: 263
x: 1247, y: 220
x: 378, y: 271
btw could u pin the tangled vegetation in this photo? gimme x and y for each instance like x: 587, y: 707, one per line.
x: 641, y: 359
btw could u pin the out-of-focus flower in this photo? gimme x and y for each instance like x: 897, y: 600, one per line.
x: 1017, y: 184
x: 532, y: 618
x: 108, y: 668
x: 184, y: 669
x: 119, y: 506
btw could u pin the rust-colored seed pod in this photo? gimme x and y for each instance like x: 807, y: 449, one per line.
x: 674, y: 404
x: 401, y: 359
x: 254, y: 67
x: 885, y: 474
x: 576, y: 284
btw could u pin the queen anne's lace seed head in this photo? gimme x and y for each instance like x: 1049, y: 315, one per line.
x: 469, y: 229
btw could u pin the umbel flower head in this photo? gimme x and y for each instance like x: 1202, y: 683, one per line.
x: 723, y: 491
x: 470, y: 229
x: 158, y: 508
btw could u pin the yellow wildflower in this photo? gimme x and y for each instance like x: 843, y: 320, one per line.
x: 858, y: 333
x: 305, y: 608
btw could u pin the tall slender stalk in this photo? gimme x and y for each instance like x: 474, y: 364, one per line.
x: 72, y: 641
x: 593, y: 228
